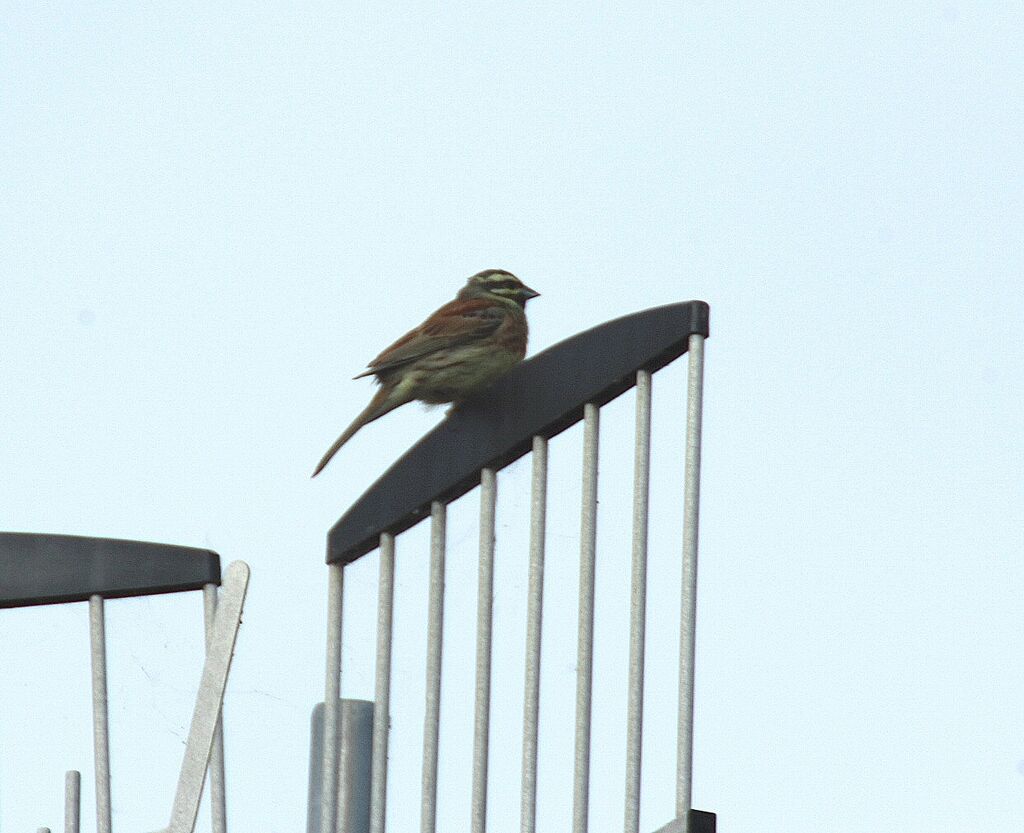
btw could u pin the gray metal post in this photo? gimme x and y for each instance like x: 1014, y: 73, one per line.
x: 688, y: 616
x: 100, y: 726
x: 638, y: 601
x: 435, y: 630
x: 218, y: 795
x: 484, y: 630
x: 332, y: 699
x: 72, y: 801
x: 356, y: 718
x: 382, y: 684
x: 534, y: 619
x: 585, y: 643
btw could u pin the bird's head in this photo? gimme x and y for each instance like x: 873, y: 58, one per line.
x: 497, y: 284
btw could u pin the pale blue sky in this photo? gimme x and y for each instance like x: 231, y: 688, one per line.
x: 213, y: 216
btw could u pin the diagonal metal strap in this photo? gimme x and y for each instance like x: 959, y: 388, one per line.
x: 220, y: 650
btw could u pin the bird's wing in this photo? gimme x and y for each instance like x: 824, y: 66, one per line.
x: 455, y: 324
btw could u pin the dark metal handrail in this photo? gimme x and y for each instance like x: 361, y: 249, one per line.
x: 541, y: 397
x: 40, y: 569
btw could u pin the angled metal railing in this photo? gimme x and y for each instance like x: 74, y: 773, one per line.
x: 38, y: 569
x: 541, y: 398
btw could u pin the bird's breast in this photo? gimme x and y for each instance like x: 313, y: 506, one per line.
x: 461, y: 372
x: 512, y: 334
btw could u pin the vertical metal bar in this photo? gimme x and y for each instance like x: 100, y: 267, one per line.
x: 688, y: 614
x: 534, y: 616
x: 382, y: 684
x: 72, y: 801
x: 585, y: 644
x: 332, y: 701
x: 100, y: 727
x: 638, y: 601
x: 218, y: 795
x: 484, y: 629
x: 355, y: 792
x: 435, y: 624
x: 316, y: 768
x: 355, y: 762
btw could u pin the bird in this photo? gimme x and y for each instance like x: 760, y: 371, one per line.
x: 462, y: 348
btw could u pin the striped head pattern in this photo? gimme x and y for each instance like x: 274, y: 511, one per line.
x: 497, y: 284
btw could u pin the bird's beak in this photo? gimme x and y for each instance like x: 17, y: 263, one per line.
x: 529, y: 293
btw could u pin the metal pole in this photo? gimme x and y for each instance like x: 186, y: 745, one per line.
x: 688, y: 616
x: 435, y: 623
x: 534, y: 615
x: 209, y: 699
x: 72, y: 801
x: 357, y: 720
x: 638, y: 601
x: 355, y: 763
x: 218, y: 794
x: 332, y: 694
x: 100, y: 727
x: 585, y: 644
x: 382, y: 685
x: 316, y: 768
x: 484, y: 630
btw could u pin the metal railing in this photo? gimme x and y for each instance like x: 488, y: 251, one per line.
x: 38, y: 569
x: 541, y: 398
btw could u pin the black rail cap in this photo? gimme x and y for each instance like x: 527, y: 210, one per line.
x: 703, y: 822
x: 543, y: 396
x: 38, y: 569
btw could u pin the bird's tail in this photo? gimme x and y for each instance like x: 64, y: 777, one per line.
x: 384, y: 401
